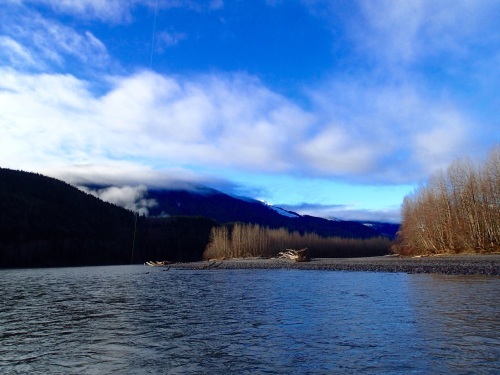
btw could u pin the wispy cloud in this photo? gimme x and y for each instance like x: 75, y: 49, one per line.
x: 119, y: 11
x: 216, y: 4
x: 169, y: 39
x: 407, y: 32
x: 15, y: 54
x: 41, y: 43
x: 115, y: 11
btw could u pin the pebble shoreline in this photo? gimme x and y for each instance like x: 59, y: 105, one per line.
x: 450, y: 265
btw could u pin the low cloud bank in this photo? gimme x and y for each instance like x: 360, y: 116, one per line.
x: 129, y: 197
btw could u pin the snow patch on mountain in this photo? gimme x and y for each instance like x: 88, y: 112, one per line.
x: 333, y: 218
x: 280, y: 210
x: 283, y: 212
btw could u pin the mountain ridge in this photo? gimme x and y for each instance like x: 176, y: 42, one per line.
x: 225, y: 208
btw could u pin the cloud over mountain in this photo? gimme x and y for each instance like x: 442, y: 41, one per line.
x: 402, y: 90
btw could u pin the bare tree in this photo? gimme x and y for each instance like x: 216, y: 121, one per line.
x: 456, y: 211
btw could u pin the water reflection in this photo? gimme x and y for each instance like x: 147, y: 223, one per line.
x: 141, y: 320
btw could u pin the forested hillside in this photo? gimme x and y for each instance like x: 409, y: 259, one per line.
x: 46, y: 222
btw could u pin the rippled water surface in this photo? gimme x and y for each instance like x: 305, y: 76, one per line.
x: 136, y: 319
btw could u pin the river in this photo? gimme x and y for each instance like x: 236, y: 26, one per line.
x: 146, y: 320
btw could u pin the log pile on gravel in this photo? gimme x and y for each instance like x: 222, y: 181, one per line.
x: 296, y: 255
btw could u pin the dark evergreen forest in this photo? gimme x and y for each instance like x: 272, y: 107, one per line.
x: 45, y: 222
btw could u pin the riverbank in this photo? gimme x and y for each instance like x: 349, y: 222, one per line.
x: 449, y: 265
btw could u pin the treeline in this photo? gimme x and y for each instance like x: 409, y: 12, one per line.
x: 456, y: 211
x: 251, y: 240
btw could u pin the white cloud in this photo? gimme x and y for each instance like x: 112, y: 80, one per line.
x: 360, y: 128
x: 127, y: 173
x: 391, y: 135
x: 334, y: 152
x: 41, y: 43
x: 120, y: 11
x: 207, y: 120
x: 434, y: 146
x: 53, y: 41
x: 104, y: 10
x: 129, y: 197
x: 14, y: 53
x: 391, y: 29
x: 390, y: 36
x: 169, y: 39
x: 390, y: 131
x: 40, y: 118
x: 411, y: 30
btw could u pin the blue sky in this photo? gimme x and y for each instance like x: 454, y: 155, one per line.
x: 331, y: 108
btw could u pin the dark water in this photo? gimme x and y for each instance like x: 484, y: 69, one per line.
x: 135, y: 319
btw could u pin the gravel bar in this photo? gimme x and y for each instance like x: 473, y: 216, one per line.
x: 449, y: 265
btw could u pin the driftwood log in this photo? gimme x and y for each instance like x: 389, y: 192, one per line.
x: 157, y: 263
x: 296, y: 255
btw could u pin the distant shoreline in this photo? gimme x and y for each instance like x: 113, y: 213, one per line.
x: 449, y: 264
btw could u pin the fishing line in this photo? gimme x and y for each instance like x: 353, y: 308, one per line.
x: 153, y: 36
x: 133, y: 242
